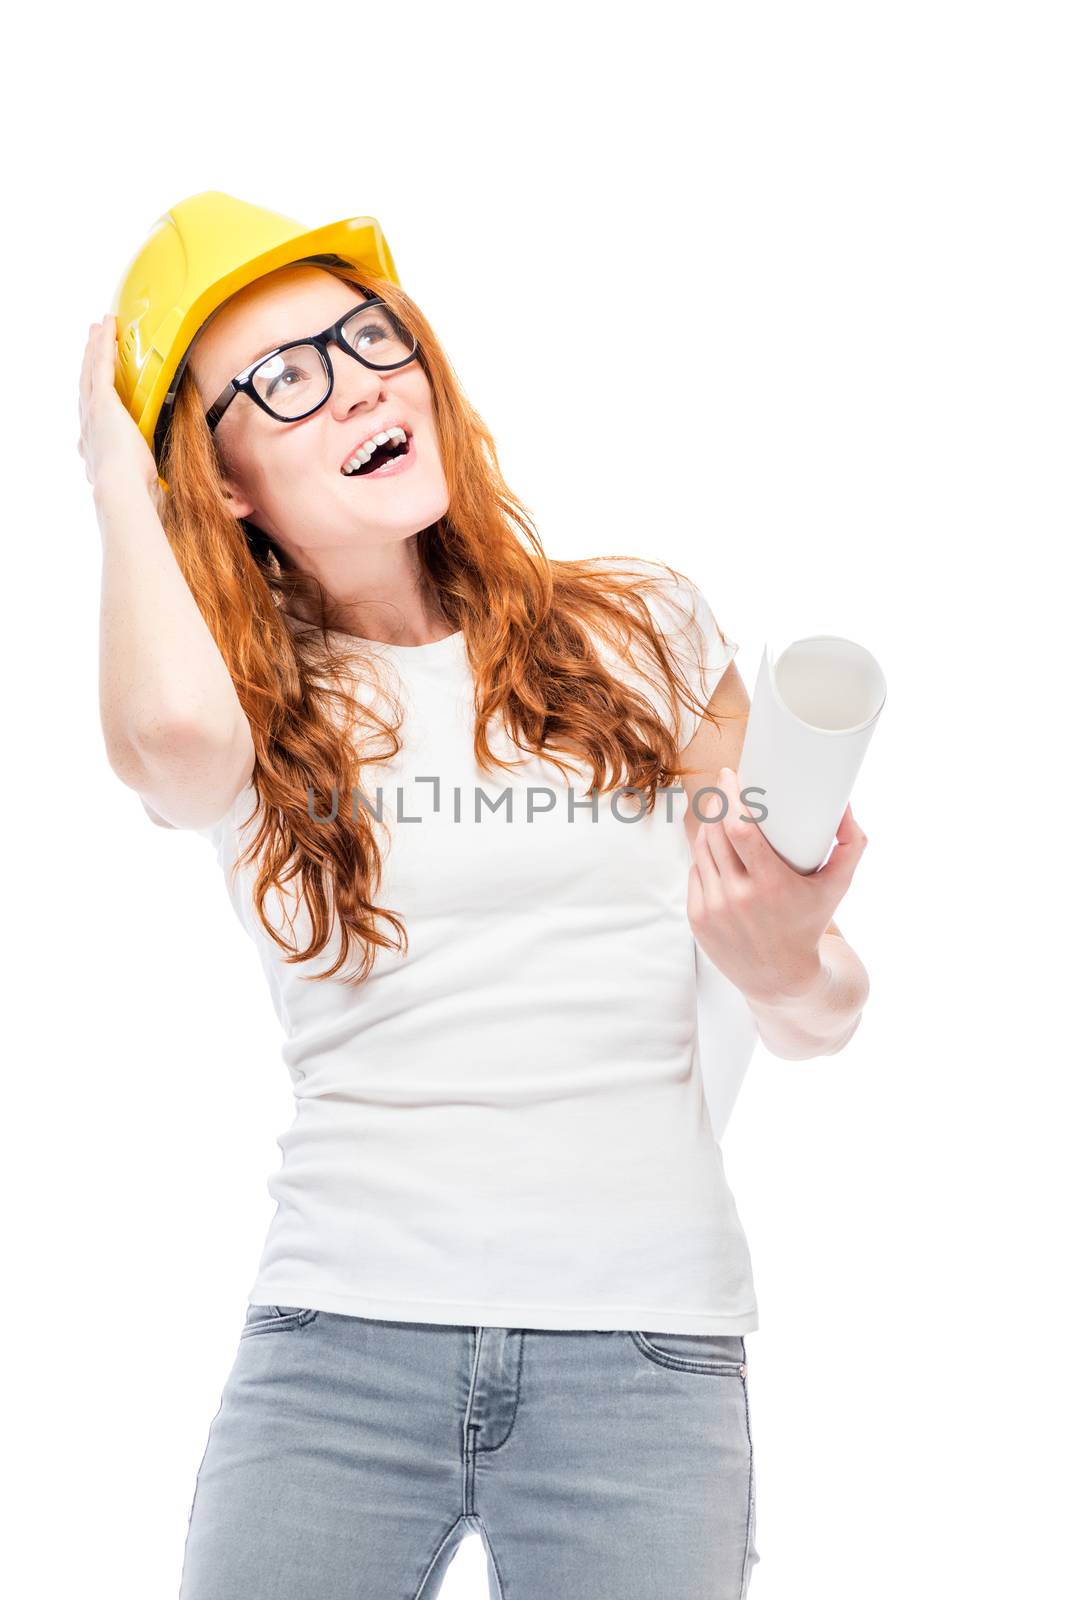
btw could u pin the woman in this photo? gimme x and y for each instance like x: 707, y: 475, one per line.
x: 505, y: 1289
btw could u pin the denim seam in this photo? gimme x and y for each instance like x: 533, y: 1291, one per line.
x: 484, y: 1531
x: 204, y: 1457
x: 487, y: 1450
x: 666, y: 1358
x: 442, y: 1542
x: 749, y: 1503
x: 298, y: 1319
x: 467, y: 1449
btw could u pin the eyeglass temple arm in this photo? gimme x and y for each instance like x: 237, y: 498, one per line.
x: 220, y: 406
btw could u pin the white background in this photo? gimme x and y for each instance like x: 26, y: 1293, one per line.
x: 820, y: 248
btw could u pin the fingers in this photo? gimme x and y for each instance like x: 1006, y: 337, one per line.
x: 735, y: 842
x: 98, y: 367
x: 837, y: 872
x: 85, y: 393
x: 747, y: 841
x: 701, y: 901
x: 104, y: 373
x: 852, y: 840
x: 714, y: 845
x: 849, y: 831
x: 85, y: 382
x: 711, y: 852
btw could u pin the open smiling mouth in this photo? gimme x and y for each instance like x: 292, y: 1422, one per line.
x: 382, y: 455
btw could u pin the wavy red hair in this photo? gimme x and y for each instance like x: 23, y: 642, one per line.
x: 530, y: 625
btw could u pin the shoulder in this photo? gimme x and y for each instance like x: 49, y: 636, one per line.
x: 678, y: 605
x: 697, y: 648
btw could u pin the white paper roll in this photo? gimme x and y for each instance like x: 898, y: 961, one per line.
x: 812, y: 716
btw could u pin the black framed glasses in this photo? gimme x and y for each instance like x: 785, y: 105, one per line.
x: 296, y: 379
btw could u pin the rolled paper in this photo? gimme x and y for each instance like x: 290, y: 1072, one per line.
x: 811, y: 721
x: 812, y: 717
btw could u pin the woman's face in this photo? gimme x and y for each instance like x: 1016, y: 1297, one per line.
x: 286, y: 477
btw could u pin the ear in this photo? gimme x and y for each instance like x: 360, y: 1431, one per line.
x: 238, y: 505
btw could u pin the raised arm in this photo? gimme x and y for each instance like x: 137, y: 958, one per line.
x: 174, y: 728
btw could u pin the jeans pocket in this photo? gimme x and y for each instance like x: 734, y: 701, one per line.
x: 717, y: 1354
x: 276, y: 1319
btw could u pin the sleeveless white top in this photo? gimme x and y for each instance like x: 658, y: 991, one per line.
x: 506, y: 1126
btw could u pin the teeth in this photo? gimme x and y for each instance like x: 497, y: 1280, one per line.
x: 368, y: 448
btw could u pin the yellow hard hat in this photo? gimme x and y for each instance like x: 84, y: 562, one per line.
x: 197, y: 254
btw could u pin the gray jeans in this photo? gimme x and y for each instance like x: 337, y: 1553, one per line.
x: 349, y: 1457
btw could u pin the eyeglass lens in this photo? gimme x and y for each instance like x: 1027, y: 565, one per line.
x: 294, y: 382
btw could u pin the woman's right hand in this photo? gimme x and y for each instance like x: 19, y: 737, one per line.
x: 111, y: 445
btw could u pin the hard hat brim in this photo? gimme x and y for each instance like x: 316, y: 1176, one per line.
x: 356, y: 239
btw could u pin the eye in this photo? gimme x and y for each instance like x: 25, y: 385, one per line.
x: 371, y: 335
x: 294, y: 374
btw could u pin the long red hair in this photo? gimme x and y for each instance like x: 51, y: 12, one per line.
x: 529, y: 625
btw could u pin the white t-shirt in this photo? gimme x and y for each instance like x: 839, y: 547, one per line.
x: 506, y: 1126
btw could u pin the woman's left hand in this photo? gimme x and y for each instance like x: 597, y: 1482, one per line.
x: 755, y: 917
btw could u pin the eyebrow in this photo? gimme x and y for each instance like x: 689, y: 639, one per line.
x: 264, y: 352
x: 269, y: 347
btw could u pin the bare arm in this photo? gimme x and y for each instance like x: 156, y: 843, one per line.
x: 174, y: 728
x: 821, y: 1020
x: 805, y: 1007
x: 173, y: 725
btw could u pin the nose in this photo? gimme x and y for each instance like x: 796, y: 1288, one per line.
x: 354, y: 384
